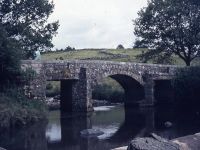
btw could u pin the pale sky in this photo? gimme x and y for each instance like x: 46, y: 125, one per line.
x: 95, y: 23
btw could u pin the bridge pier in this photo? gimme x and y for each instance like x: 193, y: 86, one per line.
x: 76, y: 94
x: 149, y: 99
x: 82, y: 93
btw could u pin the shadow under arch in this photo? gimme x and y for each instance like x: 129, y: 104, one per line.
x: 134, y: 91
x: 138, y: 122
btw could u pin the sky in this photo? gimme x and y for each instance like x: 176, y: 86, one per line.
x: 95, y: 23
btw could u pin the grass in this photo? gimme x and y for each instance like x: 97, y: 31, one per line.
x: 119, y: 55
x: 95, y: 54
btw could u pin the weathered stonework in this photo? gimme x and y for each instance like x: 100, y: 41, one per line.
x: 135, y: 78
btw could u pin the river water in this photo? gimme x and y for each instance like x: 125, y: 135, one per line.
x: 62, y: 132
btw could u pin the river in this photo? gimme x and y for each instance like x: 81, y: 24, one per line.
x: 119, y: 127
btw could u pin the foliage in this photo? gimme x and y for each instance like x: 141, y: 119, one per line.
x: 27, y: 75
x: 108, y: 89
x: 68, y: 48
x: 17, y: 110
x: 187, y: 85
x: 139, y: 44
x: 23, y: 30
x: 9, y: 59
x: 169, y: 27
x: 52, y: 88
x: 120, y: 46
x: 25, y: 22
x: 49, y: 86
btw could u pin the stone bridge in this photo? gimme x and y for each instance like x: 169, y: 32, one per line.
x: 78, y: 78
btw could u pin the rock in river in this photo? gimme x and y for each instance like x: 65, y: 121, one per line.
x: 168, y: 124
x: 152, y: 143
x: 91, y: 133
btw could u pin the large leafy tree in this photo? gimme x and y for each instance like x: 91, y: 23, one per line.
x: 25, y: 21
x: 23, y: 30
x: 10, y: 56
x: 169, y: 27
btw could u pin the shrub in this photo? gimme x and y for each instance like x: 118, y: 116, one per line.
x: 17, y: 110
x: 49, y: 86
x: 52, y: 88
x: 107, y: 92
x: 120, y: 46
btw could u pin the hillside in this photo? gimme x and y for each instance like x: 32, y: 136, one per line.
x: 123, y: 55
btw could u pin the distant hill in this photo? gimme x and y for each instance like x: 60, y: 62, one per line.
x: 122, y: 55
x: 125, y: 55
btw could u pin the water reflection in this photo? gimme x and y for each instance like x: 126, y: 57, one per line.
x: 119, y: 126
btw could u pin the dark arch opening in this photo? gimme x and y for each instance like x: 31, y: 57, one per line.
x: 134, y: 91
x: 61, y: 93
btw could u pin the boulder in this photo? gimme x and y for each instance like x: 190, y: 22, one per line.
x: 154, y: 142
x: 91, y: 133
x: 168, y: 124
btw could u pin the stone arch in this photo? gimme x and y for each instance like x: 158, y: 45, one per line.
x: 98, y: 76
x: 132, y: 85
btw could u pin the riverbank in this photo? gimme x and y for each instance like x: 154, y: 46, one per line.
x: 190, y: 142
x: 16, y: 110
x: 53, y: 103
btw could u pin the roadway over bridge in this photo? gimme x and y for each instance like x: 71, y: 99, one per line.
x: 79, y: 77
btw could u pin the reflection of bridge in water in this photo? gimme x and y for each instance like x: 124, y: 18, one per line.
x: 78, y: 78
x: 139, y: 122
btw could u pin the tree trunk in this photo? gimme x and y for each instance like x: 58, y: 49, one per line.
x: 188, y: 62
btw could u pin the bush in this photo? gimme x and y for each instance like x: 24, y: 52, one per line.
x: 17, y: 110
x: 187, y: 85
x: 107, y: 92
x: 52, y: 88
x: 49, y: 86
x: 120, y: 46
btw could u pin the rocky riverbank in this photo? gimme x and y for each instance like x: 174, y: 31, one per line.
x: 154, y: 142
x: 53, y: 103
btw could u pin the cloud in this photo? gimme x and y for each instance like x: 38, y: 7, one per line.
x: 95, y: 23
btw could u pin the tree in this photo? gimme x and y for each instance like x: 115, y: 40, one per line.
x: 69, y: 48
x: 170, y: 27
x: 120, y: 46
x: 25, y: 21
x: 9, y: 59
x: 139, y: 44
x: 23, y: 30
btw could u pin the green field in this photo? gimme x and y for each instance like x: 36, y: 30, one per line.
x: 122, y: 55
x: 125, y: 55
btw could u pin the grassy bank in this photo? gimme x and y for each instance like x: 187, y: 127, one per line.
x: 17, y: 110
